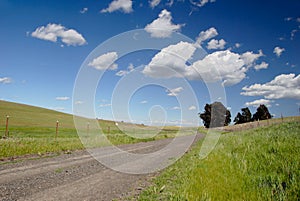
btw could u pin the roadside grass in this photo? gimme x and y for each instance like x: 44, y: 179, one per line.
x: 38, y: 140
x: 257, y: 164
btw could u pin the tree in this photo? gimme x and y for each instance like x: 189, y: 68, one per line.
x: 244, y: 117
x: 215, y: 115
x: 262, y: 113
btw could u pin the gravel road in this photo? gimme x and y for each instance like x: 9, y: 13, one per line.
x: 79, y: 176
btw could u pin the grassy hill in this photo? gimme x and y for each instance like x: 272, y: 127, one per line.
x: 29, y: 116
x: 32, y: 130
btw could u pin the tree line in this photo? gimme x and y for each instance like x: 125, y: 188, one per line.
x: 217, y: 115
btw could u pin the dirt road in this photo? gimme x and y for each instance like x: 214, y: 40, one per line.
x: 78, y: 176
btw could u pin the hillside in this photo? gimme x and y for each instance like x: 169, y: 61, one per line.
x: 32, y: 130
x: 22, y: 115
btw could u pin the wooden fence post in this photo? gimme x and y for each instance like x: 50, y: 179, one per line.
x: 6, y: 127
x: 56, y: 130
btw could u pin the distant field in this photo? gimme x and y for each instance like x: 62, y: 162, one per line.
x: 32, y: 130
x: 256, y: 164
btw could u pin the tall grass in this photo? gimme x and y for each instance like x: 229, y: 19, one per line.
x: 258, y: 164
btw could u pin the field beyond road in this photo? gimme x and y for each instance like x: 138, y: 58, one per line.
x: 32, y: 132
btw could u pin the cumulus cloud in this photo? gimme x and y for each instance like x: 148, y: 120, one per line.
x: 259, y: 102
x: 58, y: 108
x: 225, y: 65
x: 288, y: 18
x: 174, y: 92
x: 278, y: 51
x: 192, y: 107
x: 175, y: 108
x: 62, y: 98
x: 220, y: 65
x: 162, y: 27
x: 249, y: 57
x: 283, y: 86
x: 78, y: 102
x: 84, y: 10
x: 52, y: 32
x: 170, y: 61
x: 144, y: 102
x: 237, y: 45
x: 216, y: 44
x: 105, y: 61
x: 154, y: 3
x: 5, y: 80
x: 201, y: 2
x: 121, y: 73
x: 122, y: 5
x: 206, y: 35
x: 105, y: 105
x: 262, y: 65
x: 293, y: 33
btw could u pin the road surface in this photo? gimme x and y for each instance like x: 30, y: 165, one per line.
x: 79, y: 176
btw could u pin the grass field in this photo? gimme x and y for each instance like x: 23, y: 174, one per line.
x: 257, y: 164
x: 32, y: 130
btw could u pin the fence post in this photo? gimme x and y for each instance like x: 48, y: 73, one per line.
x: 88, y: 128
x: 56, y: 130
x: 6, y: 127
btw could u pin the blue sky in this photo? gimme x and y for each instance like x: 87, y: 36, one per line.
x: 251, y: 49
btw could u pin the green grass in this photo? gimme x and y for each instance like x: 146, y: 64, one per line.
x: 32, y: 130
x: 258, y: 164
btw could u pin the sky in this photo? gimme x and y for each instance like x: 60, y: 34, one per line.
x: 190, y: 52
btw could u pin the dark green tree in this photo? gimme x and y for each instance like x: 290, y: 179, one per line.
x: 215, y: 115
x: 262, y: 113
x: 245, y: 117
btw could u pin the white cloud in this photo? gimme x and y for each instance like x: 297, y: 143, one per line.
x: 237, y: 45
x: 130, y: 68
x: 288, y: 18
x: 278, y: 51
x: 154, y: 3
x: 293, y: 32
x: 263, y: 65
x: 216, y: 44
x: 123, y: 5
x: 78, y: 102
x: 105, y: 61
x: 298, y: 19
x: 259, y: 102
x: 283, y: 86
x: 58, y: 108
x: 201, y: 2
x: 249, y: 57
x: 220, y: 65
x: 162, y: 27
x: 5, y: 80
x: 175, y: 91
x: 175, y: 108
x: 105, y: 105
x: 144, y: 102
x: 54, y: 31
x: 170, y: 3
x: 62, y: 98
x: 170, y: 61
x: 192, y: 107
x: 84, y: 10
x: 206, y: 35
